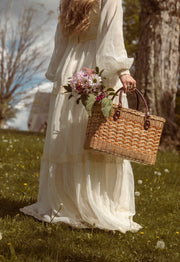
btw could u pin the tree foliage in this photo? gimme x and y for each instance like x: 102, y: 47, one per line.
x: 131, y: 25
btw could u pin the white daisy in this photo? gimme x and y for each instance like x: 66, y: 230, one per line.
x: 160, y: 244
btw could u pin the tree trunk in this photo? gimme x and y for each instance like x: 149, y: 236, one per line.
x: 3, y: 109
x: 157, y: 62
x: 2, y: 123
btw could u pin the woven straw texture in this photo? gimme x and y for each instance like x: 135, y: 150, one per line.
x: 126, y: 136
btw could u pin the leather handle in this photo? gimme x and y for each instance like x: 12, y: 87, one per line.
x: 137, y: 98
x: 138, y: 94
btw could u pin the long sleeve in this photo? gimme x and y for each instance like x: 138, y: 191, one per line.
x: 110, y: 53
x: 60, y: 44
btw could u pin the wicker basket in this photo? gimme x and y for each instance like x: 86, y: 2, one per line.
x: 127, y: 133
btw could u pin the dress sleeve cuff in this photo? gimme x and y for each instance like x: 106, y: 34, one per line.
x: 124, y: 72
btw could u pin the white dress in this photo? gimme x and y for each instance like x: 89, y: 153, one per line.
x: 81, y: 187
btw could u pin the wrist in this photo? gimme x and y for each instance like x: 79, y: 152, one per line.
x: 124, y: 72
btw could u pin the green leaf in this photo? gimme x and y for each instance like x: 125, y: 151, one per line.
x: 89, y: 103
x: 70, y: 96
x: 97, y: 70
x: 106, y: 106
x: 112, y: 94
x: 103, y: 86
x: 101, y: 72
x: 84, y: 99
x: 78, y: 100
x: 111, y: 89
x: 68, y: 88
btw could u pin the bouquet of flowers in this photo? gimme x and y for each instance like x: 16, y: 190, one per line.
x: 87, y: 86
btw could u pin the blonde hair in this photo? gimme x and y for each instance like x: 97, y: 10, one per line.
x: 74, y: 15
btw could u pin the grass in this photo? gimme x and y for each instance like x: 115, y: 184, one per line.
x: 177, y: 109
x: 26, y: 239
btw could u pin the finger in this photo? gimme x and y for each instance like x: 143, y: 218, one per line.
x: 134, y: 83
x: 125, y: 87
x: 134, y: 86
x: 129, y: 86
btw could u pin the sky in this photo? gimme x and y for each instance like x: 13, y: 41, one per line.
x: 43, y: 7
x: 18, y: 4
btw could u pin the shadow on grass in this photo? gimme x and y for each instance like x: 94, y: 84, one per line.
x: 10, y: 207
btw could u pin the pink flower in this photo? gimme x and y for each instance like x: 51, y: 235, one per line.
x: 88, y: 71
x: 86, y: 82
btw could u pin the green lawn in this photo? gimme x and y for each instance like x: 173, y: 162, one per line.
x: 26, y: 239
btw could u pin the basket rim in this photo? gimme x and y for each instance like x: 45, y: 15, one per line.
x: 97, y: 107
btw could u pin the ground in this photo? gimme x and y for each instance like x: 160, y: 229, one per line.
x: 22, y: 238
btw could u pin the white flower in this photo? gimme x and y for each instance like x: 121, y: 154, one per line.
x: 0, y: 235
x: 140, y: 182
x: 160, y: 244
x: 157, y: 173
x: 166, y: 170
x: 96, y: 80
x: 137, y: 193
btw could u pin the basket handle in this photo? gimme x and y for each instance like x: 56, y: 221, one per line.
x: 137, y: 98
x: 138, y: 94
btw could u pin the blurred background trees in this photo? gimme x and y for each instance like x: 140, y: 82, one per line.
x: 132, y: 9
x: 22, y: 57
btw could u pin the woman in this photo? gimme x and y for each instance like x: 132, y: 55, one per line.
x: 79, y: 187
